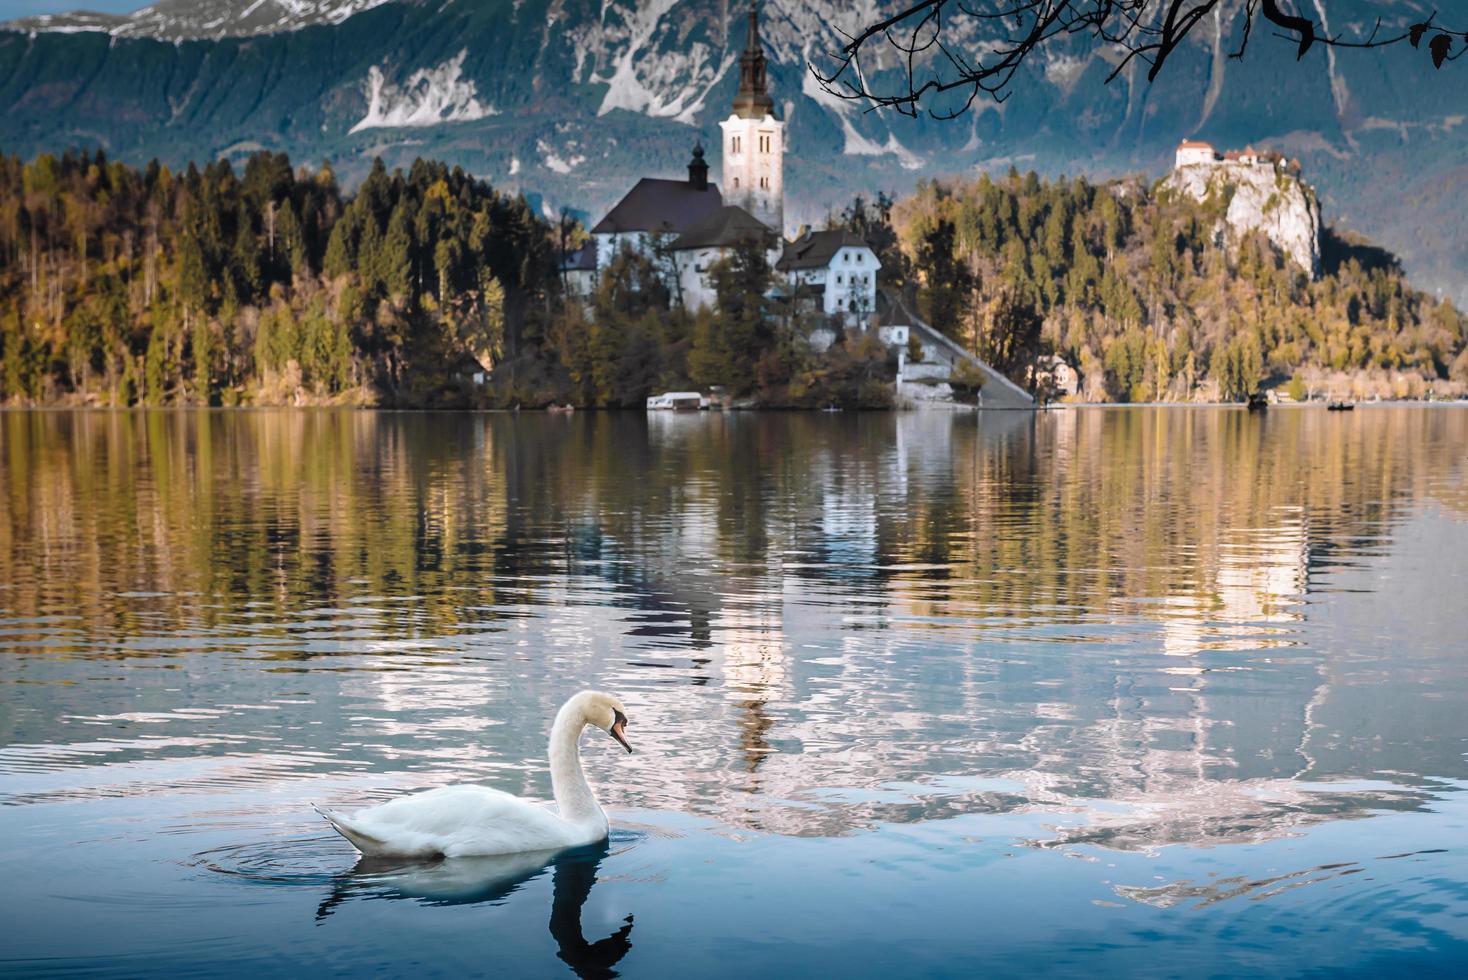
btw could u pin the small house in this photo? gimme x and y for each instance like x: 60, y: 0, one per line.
x: 839, y: 267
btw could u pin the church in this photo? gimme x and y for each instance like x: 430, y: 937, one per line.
x: 689, y: 224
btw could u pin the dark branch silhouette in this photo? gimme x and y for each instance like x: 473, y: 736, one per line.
x: 966, y: 49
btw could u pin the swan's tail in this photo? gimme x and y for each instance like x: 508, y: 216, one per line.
x: 363, y: 842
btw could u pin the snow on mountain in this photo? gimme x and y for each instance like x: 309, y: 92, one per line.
x: 180, y: 20
x: 663, y: 58
x: 572, y: 100
x: 429, y: 96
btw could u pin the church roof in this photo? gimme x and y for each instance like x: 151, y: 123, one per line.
x: 729, y: 225
x: 655, y: 204
x: 815, y: 249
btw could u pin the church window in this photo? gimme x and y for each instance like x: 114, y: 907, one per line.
x: 736, y: 183
x: 736, y: 144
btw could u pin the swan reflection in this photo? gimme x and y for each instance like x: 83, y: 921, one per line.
x: 481, y: 880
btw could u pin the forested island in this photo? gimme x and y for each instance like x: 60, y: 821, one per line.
x: 430, y: 288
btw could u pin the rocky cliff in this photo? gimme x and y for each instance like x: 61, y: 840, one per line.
x: 1265, y: 196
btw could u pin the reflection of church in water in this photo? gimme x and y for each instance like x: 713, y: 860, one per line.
x: 1202, y: 729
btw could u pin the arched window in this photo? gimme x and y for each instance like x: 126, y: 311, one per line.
x: 736, y: 183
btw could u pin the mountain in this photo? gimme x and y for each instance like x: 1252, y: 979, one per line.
x: 186, y: 20
x: 572, y: 100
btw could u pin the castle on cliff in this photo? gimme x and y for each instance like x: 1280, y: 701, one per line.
x: 1261, y: 191
x: 1198, y: 153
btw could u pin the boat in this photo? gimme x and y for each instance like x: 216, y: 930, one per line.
x: 561, y: 409
x: 1257, y: 402
x: 1339, y: 406
x: 677, y: 401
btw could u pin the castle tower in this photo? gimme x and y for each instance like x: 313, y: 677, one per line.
x: 754, y: 140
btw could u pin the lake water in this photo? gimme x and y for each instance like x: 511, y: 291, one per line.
x: 1151, y: 692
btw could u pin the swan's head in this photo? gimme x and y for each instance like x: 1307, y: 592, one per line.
x: 605, y: 712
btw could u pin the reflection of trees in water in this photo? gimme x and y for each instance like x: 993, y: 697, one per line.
x: 298, y: 506
x: 748, y: 537
x: 493, y: 880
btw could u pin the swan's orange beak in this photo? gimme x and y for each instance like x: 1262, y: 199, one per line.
x: 619, y: 730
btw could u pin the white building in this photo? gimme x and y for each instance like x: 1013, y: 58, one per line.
x: 698, y: 223
x: 579, y: 271
x: 837, y: 269
x: 697, y: 249
x: 754, y: 140
x: 1191, y: 152
x: 656, y: 209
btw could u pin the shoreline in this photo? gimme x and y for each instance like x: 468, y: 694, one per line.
x: 964, y: 410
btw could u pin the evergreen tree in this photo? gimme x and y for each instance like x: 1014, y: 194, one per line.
x: 727, y: 352
x: 946, y: 283
x: 201, y: 344
x: 395, y: 259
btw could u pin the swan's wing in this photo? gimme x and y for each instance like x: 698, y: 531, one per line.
x: 455, y: 820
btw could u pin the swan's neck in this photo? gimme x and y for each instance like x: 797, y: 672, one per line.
x: 574, y: 798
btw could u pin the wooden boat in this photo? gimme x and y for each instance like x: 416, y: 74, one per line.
x: 1339, y: 406
x: 1257, y: 402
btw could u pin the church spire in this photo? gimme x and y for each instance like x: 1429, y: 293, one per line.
x: 753, y: 100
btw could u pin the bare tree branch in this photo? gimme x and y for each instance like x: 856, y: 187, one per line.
x: 939, y: 56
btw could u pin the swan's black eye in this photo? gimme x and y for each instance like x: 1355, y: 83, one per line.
x: 618, y: 717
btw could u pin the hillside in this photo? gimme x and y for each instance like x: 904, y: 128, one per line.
x: 430, y: 288
x: 1151, y: 294
x: 571, y: 100
x: 427, y: 288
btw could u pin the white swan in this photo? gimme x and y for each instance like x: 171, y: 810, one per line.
x: 462, y: 821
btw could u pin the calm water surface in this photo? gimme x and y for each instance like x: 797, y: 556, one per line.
x: 1154, y: 692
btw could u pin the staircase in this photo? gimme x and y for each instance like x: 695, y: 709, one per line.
x: 924, y: 385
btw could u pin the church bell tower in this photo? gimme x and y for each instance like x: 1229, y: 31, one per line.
x: 754, y: 140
